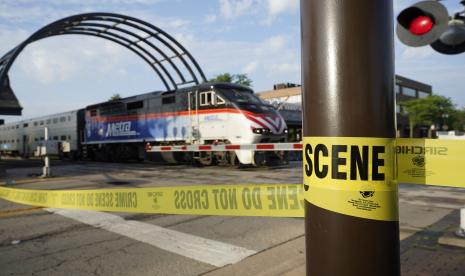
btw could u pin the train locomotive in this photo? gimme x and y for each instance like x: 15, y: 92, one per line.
x: 209, y: 113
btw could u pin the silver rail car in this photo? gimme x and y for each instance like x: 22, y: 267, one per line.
x: 24, y: 138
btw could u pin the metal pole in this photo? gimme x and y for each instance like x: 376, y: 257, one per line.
x: 46, y: 168
x: 461, y: 231
x: 348, y: 91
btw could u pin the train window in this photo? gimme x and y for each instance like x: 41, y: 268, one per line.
x: 241, y: 96
x: 113, y: 108
x: 55, y: 138
x: 42, y: 138
x: 93, y: 113
x: 219, y: 100
x: 206, y: 98
x: 168, y: 100
x: 55, y: 120
x: 41, y: 123
x: 17, y: 140
x: 17, y: 126
x: 63, y: 137
x: 69, y: 118
x: 35, y: 139
x: 62, y: 119
x: 69, y: 137
x: 36, y: 123
x: 135, y: 105
x: 48, y: 121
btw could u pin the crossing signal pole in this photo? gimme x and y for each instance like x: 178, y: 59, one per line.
x: 348, y: 100
x: 428, y: 22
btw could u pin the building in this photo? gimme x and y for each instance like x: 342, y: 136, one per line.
x: 408, y: 89
x: 287, y: 99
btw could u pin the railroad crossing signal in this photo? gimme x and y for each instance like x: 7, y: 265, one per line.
x: 428, y: 22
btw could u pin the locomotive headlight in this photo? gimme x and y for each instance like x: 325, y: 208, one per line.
x: 286, y: 130
x: 258, y: 130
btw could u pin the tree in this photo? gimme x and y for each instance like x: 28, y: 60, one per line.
x: 115, y: 97
x: 432, y: 110
x: 458, y: 120
x: 242, y: 79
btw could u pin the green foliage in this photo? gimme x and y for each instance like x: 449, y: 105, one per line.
x: 242, y: 79
x: 432, y: 110
x: 458, y: 120
x: 115, y: 97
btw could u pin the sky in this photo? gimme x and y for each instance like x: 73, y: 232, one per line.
x: 258, y: 37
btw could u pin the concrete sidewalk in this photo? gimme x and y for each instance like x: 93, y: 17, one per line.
x: 421, y: 253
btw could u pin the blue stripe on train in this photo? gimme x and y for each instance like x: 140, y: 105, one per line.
x: 160, y: 129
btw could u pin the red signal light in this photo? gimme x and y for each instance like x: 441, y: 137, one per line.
x: 421, y: 25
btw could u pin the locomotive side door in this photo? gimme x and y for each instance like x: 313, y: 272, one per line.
x: 194, y: 121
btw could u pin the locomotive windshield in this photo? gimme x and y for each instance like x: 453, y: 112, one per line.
x: 241, y: 96
x: 244, y: 99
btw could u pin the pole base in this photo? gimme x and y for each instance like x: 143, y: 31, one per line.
x: 460, y: 233
x: 45, y: 172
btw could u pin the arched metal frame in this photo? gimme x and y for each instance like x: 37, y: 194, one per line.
x: 172, y: 63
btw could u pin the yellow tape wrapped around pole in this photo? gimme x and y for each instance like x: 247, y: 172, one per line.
x: 351, y: 176
x: 277, y: 200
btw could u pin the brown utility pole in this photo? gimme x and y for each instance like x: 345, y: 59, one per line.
x: 351, y: 210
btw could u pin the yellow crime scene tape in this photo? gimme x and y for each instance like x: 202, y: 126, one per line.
x: 358, y: 176
x: 352, y: 176
x: 277, y: 200
x: 348, y: 175
x: 431, y: 162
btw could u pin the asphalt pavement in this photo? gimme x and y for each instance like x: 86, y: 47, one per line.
x: 37, y: 241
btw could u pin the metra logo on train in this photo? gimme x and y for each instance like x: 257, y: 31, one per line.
x: 120, y: 129
x: 117, y: 130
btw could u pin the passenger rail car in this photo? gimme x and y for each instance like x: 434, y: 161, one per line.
x: 24, y: 137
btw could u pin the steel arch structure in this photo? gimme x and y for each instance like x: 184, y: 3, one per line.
x: 171, y: 62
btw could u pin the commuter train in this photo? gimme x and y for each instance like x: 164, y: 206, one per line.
x: 118, y: 130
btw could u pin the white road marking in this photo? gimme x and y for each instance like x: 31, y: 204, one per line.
x: 204, y: 250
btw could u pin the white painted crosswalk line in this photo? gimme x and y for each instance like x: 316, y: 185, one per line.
x: 200, y: 249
